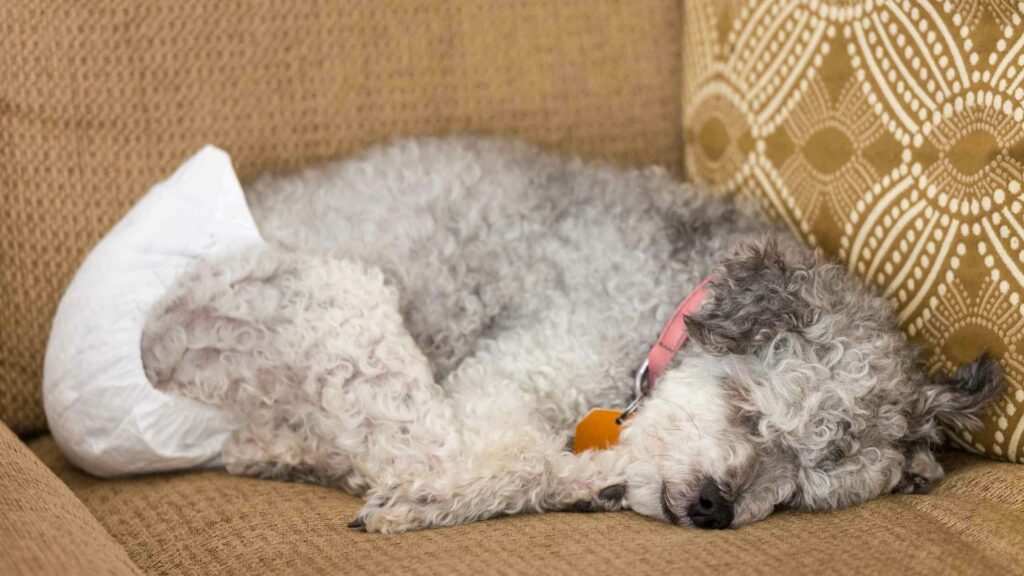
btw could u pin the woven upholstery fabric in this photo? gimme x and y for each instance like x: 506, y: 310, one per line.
x: 44, y: 528
x: 214, y: 523
x: 99, y: 101
x: 889, y: 134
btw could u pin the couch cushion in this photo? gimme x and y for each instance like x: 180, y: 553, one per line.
x: 44, y: 529
x: 889, y: 134
x: 99, y: 102
x: 214, y: 523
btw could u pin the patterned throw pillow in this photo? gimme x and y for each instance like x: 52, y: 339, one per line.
x: 888, y: 133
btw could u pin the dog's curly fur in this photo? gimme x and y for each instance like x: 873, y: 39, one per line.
x: 434, y: 317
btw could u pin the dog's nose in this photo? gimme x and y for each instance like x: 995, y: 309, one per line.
x: 710, y: 510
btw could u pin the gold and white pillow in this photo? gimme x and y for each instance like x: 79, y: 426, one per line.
x: 890, y: 134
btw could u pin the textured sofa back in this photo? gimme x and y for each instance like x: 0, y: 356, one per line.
x: 99, y: 102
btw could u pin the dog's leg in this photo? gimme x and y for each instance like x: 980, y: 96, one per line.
x: 311, y: 356
x: 310, y: 353
x: 526, y: 475
x: 516, y: 400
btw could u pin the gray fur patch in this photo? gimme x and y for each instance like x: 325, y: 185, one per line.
x: 756, y: 296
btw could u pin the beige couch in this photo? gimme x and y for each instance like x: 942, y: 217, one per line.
x: 99, y: 101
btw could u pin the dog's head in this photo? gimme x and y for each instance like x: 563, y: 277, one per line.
x: 799, y: 391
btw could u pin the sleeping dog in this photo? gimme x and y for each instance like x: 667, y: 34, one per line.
x: 431, y: 319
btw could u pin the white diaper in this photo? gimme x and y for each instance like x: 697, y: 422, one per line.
x: 102, y: 411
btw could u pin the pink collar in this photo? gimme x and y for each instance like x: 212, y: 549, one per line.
x: 673, y: 337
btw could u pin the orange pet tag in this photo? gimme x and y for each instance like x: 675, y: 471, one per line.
x: 597, y: 431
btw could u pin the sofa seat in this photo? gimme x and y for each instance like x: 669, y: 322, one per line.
x: 214, y: 523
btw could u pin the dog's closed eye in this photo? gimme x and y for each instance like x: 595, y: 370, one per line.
x: 835, y: 453
x: 842, y: 446
x: 751, y: 422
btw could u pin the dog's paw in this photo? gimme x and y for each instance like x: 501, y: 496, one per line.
x: 608, y: 499
x: 402, y: 509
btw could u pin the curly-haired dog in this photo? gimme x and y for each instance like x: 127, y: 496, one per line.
x: 435, y: 316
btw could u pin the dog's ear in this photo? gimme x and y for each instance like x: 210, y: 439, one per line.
x: 956, y: 399
x: 757, y: 294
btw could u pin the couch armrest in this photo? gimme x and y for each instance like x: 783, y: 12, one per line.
x: 44, y: 528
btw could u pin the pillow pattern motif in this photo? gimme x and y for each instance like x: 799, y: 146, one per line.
x: 888, y: 133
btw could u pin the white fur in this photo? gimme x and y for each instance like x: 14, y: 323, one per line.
x: 438, y: 314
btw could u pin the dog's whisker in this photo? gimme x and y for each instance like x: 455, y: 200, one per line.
x: 688, y: 415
